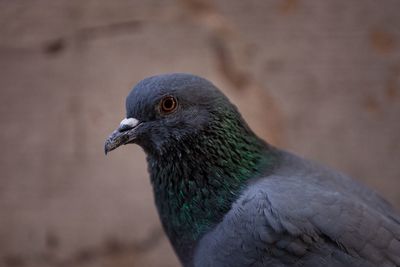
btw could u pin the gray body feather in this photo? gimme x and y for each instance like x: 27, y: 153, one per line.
x: 304, y: 215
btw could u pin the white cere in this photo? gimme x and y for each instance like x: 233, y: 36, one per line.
x: 131, y: 122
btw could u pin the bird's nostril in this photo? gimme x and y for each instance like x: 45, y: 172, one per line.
x: 127, y: 124
x: 124, y: 128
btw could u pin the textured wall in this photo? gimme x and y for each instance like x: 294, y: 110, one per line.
x: 321, y: 78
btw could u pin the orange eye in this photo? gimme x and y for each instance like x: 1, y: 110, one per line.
x: 168, y: 104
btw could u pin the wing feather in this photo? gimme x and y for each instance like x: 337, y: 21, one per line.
x: 282, y: 222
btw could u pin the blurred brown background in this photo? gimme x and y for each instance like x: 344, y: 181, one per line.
x: 320, y: 78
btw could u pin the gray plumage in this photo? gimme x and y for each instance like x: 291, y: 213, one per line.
x: 227, y: 198
x: 304, y: 215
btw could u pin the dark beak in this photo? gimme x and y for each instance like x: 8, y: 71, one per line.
x: 125, y: 134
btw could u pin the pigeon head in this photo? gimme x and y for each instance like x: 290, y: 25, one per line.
x: 164, y: 110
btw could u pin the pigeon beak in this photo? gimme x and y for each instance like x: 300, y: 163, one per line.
x: 126, y: 133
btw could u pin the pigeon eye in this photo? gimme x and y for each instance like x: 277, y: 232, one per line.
x: 168, y: 104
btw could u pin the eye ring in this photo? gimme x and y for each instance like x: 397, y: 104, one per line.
x: 168, y: 104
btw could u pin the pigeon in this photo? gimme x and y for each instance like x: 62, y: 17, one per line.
x: 225, y: 197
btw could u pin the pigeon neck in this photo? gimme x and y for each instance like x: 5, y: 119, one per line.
x: 197, y: 181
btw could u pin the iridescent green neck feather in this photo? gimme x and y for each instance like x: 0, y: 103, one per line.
x: 197, y: 178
